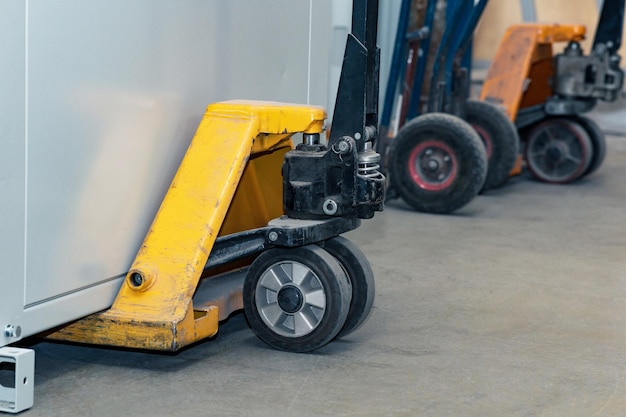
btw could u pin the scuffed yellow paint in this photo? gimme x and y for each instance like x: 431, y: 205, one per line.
x: 233, y: 138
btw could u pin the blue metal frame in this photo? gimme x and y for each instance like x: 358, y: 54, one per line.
x: 461, y: 21
x: 420, y: 70
x: 396, y: 71
x: 462, y: 18
x: 463, y: 39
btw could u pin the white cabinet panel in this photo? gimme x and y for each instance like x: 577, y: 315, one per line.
x: 103, y: 97
x: 12, y: 164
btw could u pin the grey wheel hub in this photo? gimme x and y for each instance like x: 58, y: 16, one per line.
x: 290, y: 299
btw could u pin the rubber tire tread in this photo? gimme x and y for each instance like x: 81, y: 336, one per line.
x: 337, y: 290
x: 584, y: 139
x: 359, y: 272
x: 598, y: 142
x: 504, y: 140
x: 470, y: 153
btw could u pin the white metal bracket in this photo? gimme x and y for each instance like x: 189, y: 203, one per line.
x: 17, y: 378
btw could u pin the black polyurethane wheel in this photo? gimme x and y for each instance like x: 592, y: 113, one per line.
x: 598, y: 142
x: 437, y: 163
x: 296, y: 299
x: 500, y: 137
x: 360, y: 274
x: 558, y: 150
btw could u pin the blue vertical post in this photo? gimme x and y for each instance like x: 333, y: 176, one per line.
x: 420, y: 70
x: 454, y: 12
x: 462, y: 38
x: 395, y: 71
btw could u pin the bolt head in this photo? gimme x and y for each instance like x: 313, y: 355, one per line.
x: 330, y: 207
x: 12, y: 331
x: 136, y: 279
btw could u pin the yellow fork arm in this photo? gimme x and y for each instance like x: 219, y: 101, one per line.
x: 154, y: 308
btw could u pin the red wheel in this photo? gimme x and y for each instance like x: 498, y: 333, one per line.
x: 500, y: 137
x: 558, y: 151
x: 598, y: 142
x: 433, y: 165
x: 437, y: 163
x: 485, y: 137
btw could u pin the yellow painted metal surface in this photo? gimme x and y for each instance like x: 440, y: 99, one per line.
x: 159, y: 313
x: 259, y: 196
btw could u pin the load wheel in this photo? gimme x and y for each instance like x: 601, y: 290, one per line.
x: 359, y: 272
x: 500, y: 137
x: 437, y: 163
x: 558, y: 150
x: 598, y: 142
x: 296, y: 299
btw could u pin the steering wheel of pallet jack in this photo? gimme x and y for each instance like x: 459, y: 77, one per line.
x: 296, y: 299
x: 558, y: 151
x: 598, y: 142
x: 500, y: 137
x: 437, y: 163
x: 359, y: 272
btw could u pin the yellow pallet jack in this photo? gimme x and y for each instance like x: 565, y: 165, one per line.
x: 251, y: 223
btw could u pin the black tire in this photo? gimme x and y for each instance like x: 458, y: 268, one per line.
x: 598, y: 142
x: 359, y: 272
x: 500, y: 137
x: 558, y: 151
x: 437, y: 163
x: 297, y: 299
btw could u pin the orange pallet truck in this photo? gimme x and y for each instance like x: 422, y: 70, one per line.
x: 545, y: 94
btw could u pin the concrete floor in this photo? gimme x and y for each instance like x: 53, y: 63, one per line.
x: 514, y: 306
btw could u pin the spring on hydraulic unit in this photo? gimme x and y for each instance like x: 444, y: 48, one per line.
x: 368, y: 164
